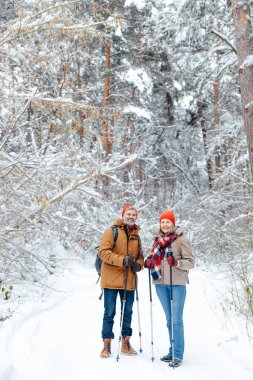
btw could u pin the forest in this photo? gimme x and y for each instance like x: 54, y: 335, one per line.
x: 104, y: 103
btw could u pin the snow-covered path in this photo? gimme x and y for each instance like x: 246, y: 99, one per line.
x: 59, y: 338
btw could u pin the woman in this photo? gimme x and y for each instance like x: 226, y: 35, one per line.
x: 170, y: 261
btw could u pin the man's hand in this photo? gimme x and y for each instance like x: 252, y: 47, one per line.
x: 136, y: 267
x: 128, y: 261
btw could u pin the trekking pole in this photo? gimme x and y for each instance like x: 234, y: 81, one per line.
x: 172, y: 316
x: 151, y: 316
x: 122, y: 312
x: 138, y: 310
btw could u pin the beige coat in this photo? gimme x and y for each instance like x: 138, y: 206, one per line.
x: 113, y: 272
x: 182, y: 251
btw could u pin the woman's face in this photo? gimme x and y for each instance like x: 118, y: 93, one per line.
x: 166, y: 225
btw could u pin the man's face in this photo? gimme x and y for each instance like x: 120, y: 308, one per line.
x: 130, y: 216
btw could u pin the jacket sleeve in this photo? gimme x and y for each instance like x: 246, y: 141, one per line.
x: 106, y: 250
x: 187, y: 260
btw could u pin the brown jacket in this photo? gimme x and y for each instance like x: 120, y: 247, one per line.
x: 183, y: 253
x: 113, y: 272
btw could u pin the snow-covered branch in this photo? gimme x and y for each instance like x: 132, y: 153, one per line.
x: 224, y: 38
x: 45, y: 203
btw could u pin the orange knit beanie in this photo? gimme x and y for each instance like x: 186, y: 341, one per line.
x: 168, y: 214
x: 128, y: 207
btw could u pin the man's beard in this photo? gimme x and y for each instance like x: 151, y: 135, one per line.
x: 129, y: 223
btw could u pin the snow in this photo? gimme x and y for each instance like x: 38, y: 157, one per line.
x: 58, y: 337
x: 140, y: 79
x: 187, y: 100
x: 118, y: 31
x: 116, y: 23
x: 247, y: 62
x: 139, y: 112
x: 140, y: 4
x: 177, y: 85
x: 249, y: 105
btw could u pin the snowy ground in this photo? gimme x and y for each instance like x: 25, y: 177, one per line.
x: 58, y: 338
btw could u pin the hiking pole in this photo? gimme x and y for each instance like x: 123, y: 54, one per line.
x: 151, y: 316
x: 122, y: 312
x: 138, y: 310
x: 172, y: 315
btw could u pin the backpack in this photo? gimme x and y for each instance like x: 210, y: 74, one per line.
x: 99, y: 261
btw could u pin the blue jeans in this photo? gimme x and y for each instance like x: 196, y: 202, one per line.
x: 179, y: 294
x: 110, y: 298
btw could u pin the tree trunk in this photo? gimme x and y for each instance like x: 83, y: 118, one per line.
x: 164, y: 194
x: 105, y: 131
x: 139, y: 168
x: 205, y: 143
x: 81, y: 114
x: 216, y: 97
x: 244, y: 44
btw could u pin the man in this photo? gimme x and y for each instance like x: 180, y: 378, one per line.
x: 121, y: 260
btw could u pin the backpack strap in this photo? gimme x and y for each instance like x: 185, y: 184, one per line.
x: 115, y: 234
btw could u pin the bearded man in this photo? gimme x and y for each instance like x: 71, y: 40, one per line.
x: 122, y: 259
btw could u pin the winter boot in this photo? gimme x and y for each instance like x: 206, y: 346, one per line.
x: 126, y: 347
x: 167, y: 358
x: 106, y: 352
x: 176, y: 363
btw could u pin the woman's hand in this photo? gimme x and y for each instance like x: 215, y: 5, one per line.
x: 172, y: 261
x: 149, y: 263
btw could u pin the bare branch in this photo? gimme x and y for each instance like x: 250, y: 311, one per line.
x: 223, y: 38
x: 17, y: 119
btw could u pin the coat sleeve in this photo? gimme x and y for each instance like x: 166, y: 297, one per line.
x: 106, y: 250
x: 187, y: 260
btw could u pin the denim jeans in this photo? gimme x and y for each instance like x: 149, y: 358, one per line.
x: 110, y: 298
x: 179, y: 294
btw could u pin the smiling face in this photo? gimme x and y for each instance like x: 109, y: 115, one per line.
x: 166, y: 226
x: 130, y: 216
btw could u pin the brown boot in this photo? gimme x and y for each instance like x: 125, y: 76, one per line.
x: 126, y: 347
x: 106, y: 352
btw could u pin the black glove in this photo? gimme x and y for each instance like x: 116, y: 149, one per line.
x: 128, y: 261
x: 136, y: 267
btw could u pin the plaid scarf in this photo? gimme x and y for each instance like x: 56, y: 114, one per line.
x: 161, y: 248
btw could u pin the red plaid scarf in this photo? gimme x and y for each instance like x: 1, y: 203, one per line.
x: 161, y: 248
